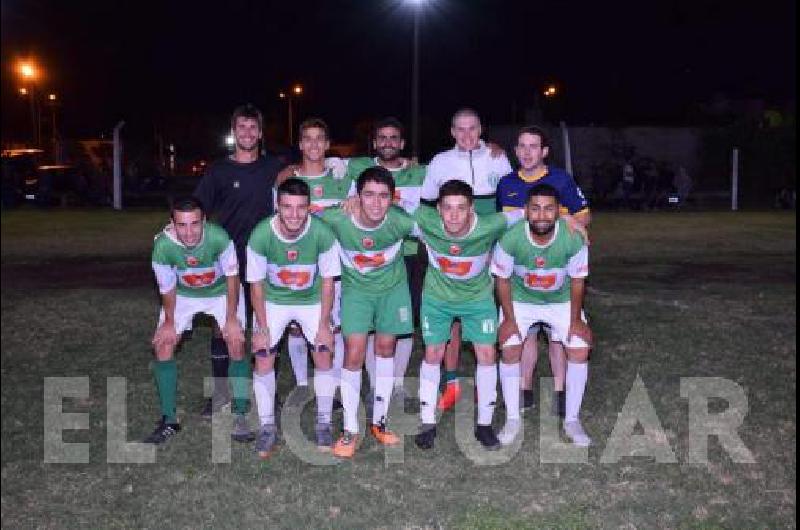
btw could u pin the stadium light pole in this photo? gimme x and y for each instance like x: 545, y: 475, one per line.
x: 417, y: 6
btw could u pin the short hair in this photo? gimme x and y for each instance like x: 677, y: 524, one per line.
x: 456, y: 188
x: 314, y: 123
x: 378, y: 174
x: 186, y: 204
x: 542, y: 190
x: 536, y: 131
x: 249, y: 111
x: 465, y: 111
x: 294, y: 186
x: 387, y: 122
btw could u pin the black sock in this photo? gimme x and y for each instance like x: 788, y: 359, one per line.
x: 220, y: 359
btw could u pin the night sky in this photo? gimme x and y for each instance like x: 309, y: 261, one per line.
x: 628, y: 62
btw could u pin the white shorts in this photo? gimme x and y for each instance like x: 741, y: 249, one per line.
x: 186, y: 307
x: 280, y: 316
x: 556, y: 316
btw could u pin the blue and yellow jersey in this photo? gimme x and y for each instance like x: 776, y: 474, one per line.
x: 512, y: 190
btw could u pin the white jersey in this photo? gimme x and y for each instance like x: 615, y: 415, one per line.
x: 477, y: 168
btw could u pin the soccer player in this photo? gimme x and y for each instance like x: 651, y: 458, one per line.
x: 375, y: 298
x: 481, y: 166
x: 532, y: 149
x: 541, y: 268
x: 237, y: 192
x: 197, y: 271
x: 388, y: 143
x: 458, y: 285
x: 292, y: 259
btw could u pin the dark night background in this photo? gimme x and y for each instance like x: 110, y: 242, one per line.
x: 157, y: 64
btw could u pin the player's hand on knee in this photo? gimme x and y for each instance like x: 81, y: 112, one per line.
x: 324, y: 338
x: 233, y: 335
x: 576, y: 226
x: 580, y: 329
x: 260, y: 339
x: 165, y: 336
x: 508, y: 329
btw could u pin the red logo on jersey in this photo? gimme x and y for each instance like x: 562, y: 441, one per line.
x: 192, y: 261
x: 456, y: 268
x: 536, y: 281
x: 376, y: 260
x: 455, y: 250
x: 291, y: 255
x: 368, y: 243
x: 297, y: 278
x: 540, y: 261
x: 318, y: 191
x: 199, y: 280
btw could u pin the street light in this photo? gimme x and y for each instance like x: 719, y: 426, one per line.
x: 550, y: 91
x: 29, y: 73
x: 296, y: 91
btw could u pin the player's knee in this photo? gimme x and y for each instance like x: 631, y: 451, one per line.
x: 512, y: 355
x: 236, y: 354
x: 165, y: 353
x: 577, y: 355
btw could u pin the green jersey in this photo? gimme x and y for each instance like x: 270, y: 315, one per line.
x: 408, y: 181
x: 326, y: 191
x: 292, y: 269
x: 540, y: 273
x: 458, y: 268
x: 370, y: 256
x: 198, y: 271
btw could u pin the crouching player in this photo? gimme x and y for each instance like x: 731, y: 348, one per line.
x: 197, y: 272
x: 541, y: 268
x: 292, y: 259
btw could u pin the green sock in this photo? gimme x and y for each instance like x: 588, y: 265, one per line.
x: 239, y: 374
x: 450, y: 376
x: 166, y: 373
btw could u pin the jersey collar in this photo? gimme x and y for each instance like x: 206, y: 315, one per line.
x: 534, y: 178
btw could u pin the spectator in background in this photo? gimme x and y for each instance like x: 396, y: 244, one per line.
x: 682, y: 183
x: 628, y: 183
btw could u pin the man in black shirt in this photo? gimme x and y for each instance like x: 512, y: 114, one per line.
x: 237, y: 192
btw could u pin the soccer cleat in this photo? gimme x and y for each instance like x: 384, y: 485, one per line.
x: 450, y: 396
x: 345, y: 446
x: 241, y: 430
x: 560, y: 403
x: 426, y: 436
x: 324, y: 433
x: 266, y: 440
x: 574, y: 431
x: 164, y: 431
x: 509, y: 432
x: 527, y: 400
x: 486, y: 436
x: 383, y: 435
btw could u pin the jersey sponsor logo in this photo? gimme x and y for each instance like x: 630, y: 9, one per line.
x: 367, y: 243
x: 455, y: 268
x: 292, y: 278
x: 292, y: 254
x: 192, y: 261
x: 540, y: 281
x: 200, y: 279
x: 318, y: 190
x: 540, y: 261
x: 363, y: 261
x: 455, y: 250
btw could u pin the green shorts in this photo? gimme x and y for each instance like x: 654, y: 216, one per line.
x: 478, y: 320
x: 387, y: 312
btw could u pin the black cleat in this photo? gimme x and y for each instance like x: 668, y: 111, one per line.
x: 560, y: 403
x: 527, y: 400
x: 486, y: 436
x: 164, y: 431
x: 426, y: 436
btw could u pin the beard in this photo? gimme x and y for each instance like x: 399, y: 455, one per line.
x: 241, y: 147
x: 388, y: 154
x: 542, y: 228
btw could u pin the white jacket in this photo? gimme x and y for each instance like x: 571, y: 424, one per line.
x: 477, y: 168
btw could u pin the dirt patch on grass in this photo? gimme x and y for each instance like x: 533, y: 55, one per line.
x: 77, y: 275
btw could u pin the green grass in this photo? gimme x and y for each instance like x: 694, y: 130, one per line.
x: 672, y: 295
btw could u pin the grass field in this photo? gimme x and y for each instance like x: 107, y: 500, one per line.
x: 672, y: 295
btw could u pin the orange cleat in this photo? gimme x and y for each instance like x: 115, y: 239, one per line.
x: 450, y: 396
x: 345, y: 446
x: 384, y: 436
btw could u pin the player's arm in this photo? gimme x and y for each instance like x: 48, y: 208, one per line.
x: 167, y: 279
x: 502, y: 268
x: 578, y: 270
x: 232, y: 331
x: 256, y: 273
x: 430, y: 185
x: 329, y: 266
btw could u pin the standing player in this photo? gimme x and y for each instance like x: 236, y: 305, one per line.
x: 541, y: 269
x: 458, y: 285
x: 475, y: 163
x: 197, y: 272
x: 532, y: 150
x: 388, y: 142
x: 375, y: 298
x: 292, y: 259
x: 237, y: 191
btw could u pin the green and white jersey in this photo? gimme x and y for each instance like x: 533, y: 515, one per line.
x: 408, y: 181
x: 370, y: 256
x: 292, y: 269
x: 458, y: 268
x: 326, y: 190
x: 199, y: 271
x: 540, y: 273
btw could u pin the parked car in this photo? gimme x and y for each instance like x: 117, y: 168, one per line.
x: 25, y: 179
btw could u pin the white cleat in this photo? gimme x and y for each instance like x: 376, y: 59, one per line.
x: 509, y: 432
x: 574, y: 431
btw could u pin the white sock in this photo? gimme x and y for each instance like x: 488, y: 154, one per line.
x: 577, y: 373
x: 402, y: 355
x: 324, y: 388
x: 384, y: 381
x: 509, y: 382
x: 298, y: 354
x: 429, y: 376
x: 369, y: 361
x: 486, y: 381
x: 351, y: 397
x: 264, y: 389
x: 338, y: 357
